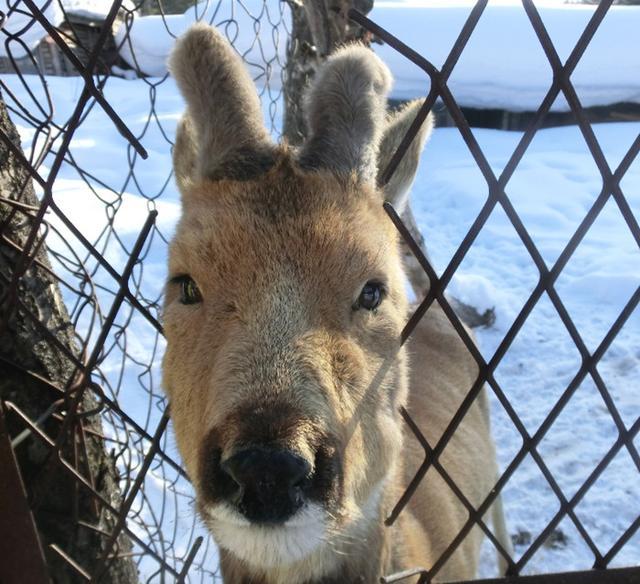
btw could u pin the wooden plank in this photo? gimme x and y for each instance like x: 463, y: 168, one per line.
x: 20, y: 549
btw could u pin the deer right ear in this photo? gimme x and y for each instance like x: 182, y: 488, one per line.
x: 345, y: 110
x: 223, y: 129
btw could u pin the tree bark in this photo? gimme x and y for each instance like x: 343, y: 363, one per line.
x: 36, y: 376
x: 147, y: 7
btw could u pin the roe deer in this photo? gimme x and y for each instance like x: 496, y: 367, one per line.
x: 283, y: 316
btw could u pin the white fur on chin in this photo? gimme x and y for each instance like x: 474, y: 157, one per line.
x: 268, y: 546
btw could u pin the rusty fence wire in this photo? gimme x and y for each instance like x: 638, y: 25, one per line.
x: 102, y: 260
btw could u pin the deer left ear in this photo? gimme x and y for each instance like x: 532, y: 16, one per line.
x: 396, y: 191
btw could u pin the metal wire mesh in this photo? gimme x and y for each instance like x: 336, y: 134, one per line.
x: 110, y: 288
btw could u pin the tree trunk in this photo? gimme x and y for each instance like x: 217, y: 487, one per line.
x: 148, y: 7
x: 36, y: 376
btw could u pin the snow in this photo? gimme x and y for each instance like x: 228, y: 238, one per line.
x: 252, y: 27
x: 28, y: 31
x: 93, y: 9
x: 504, y: 65
x: 552, y: 189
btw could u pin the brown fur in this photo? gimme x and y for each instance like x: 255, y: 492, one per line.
x: 275, y: 354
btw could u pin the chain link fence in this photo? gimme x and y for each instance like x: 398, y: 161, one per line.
x: 107, y: 259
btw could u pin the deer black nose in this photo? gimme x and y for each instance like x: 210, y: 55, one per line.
x: 271, y: 483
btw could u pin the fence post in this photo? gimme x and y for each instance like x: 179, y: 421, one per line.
x: 20, y: 548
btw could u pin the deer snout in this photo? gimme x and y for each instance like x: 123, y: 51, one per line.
x: 271, y: 484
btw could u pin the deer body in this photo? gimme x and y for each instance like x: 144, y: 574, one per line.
x: 283, y: 315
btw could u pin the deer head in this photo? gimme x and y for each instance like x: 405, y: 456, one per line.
x: 284, y: 307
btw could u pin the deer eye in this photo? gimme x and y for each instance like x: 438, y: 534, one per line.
x: 189, y: 291
x: 371, y: 296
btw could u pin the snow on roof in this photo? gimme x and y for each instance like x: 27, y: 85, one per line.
x: 20, y: 22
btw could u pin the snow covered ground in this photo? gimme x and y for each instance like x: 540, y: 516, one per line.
x: 552, y: 189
